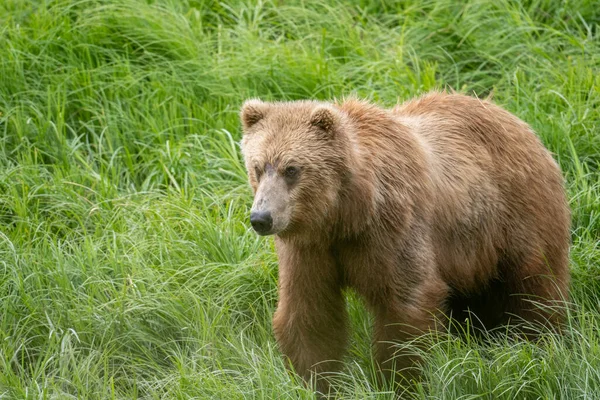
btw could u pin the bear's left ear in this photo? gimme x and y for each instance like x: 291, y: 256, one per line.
x: 326, y: 119
x: 253, y: 111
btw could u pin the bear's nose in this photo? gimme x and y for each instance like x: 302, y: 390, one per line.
x: 261, y: 221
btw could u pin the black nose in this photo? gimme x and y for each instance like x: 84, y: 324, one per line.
x: 261, y: 221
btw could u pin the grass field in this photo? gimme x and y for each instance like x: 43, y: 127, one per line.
x: 127, y: 265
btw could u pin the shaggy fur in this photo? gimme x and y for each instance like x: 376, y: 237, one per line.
x: 443, y: 204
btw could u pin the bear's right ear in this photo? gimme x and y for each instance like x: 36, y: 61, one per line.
x: 252, y: 111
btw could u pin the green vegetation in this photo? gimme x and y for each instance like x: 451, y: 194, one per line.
x: 127, y: 266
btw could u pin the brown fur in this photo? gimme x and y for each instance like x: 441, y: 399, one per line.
x: 443, y: 203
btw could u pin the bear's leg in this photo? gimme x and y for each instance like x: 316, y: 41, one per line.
x: 310, y: 322
x: 537, y: 294
x: 399, y: 322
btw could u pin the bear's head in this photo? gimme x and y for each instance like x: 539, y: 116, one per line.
x: 296, y: 154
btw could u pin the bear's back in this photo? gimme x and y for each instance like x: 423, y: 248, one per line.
x: 495, y: 185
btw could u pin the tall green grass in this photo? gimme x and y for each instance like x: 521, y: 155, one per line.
x: 127, y: 267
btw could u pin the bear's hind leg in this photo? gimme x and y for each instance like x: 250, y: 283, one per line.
x: 537, y: 294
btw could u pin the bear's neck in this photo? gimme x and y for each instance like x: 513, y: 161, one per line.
x: 357, y: 200
x: 356, y: 208
x: 380, y: 150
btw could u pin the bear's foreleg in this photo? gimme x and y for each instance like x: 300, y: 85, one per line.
x: 399, y: 322
x: 310, y: 322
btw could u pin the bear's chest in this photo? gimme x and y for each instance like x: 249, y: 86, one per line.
x: 374, y: 270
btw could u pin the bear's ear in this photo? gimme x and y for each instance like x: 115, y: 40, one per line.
x: 326, y: 119
x: 253, y: 111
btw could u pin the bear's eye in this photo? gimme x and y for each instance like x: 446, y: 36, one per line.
x: 291, y: 173
x: 258, y: 172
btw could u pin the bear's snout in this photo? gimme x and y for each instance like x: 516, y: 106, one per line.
x: 261, y: 221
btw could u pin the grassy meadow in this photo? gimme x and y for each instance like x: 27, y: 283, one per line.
x: 128, y: 268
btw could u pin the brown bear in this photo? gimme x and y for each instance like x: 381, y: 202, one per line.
x: 443, y: 204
